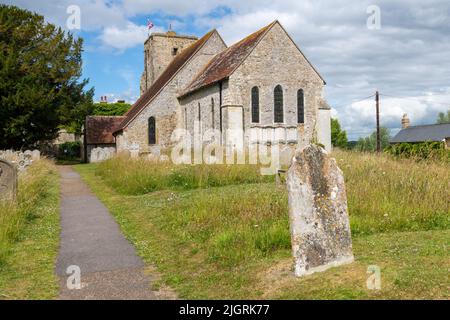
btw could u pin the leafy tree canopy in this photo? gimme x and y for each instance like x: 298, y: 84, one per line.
x: 40, y: 86
x: 443, y: 117
x: 338, y: 136
x: 370, y: 143
x: 110, y: 109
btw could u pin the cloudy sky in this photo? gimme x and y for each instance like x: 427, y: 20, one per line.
x: 407, y: 59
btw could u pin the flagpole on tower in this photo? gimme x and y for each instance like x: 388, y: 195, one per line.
x: 149, y: 26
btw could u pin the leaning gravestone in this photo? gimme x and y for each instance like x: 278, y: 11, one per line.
x: 320, y: 228
x: 8, y: 181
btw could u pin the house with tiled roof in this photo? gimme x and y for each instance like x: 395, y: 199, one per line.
x: 422, y: 133
x: 99, y: 134
x: 262, y: 87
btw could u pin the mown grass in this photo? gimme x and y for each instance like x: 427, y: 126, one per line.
x: 29, y: 233
x: 225, y: 222
x: 140, y: 176
x: 233, y: 241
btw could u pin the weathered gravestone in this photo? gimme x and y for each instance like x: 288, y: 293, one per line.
x: 8, y: 181
x: 320, y: 228
x: 35, y: 155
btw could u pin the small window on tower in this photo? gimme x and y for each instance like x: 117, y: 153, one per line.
x: 174, y: 51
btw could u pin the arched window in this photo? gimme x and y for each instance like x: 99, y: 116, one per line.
x: 300, y: 106
x: 255, y: 105
x: 151, y: 130
x: 278, y: 104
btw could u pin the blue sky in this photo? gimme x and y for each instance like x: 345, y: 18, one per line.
x: 407, y: 59
x: 122, y: 66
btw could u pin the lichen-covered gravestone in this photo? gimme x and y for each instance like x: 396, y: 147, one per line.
x: 319, y: 220
x: 8, y: 181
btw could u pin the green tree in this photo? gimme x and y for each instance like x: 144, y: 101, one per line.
x: 443, y: 117
x: 40, y: 87
x: 338, y: 136
x: 370, y: 143
x: 110, y: 109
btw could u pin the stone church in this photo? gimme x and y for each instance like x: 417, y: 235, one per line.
x: 262, y: 86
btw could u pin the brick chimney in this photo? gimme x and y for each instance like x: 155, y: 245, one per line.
x: 405, y: 121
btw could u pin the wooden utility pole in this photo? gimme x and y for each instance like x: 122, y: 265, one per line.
x: 377, y: 100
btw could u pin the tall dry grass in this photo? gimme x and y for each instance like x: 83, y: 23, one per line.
x: 241, y: 222
x: 140, y: 176
x: 385, y: 193
x: 214, y: 242
x: 246, y: 218
x: 15, y: 215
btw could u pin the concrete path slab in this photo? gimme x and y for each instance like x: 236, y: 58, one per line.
x: 92, y: 240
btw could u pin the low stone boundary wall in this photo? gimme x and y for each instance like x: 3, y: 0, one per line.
x: 100, y: 154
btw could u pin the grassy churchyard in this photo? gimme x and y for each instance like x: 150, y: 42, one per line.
x: 130, y: 228
x: 223, y: 232
x: 29, y: 236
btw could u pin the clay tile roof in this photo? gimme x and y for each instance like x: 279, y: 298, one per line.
x: 226, y: 62
x: 177, y: 63
x: 99, y: 129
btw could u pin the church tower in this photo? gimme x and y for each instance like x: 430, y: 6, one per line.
x: 159, y: 50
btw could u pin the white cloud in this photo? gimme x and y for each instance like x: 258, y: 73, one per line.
x: 359, y: 118
x: 169, y: 7
x: 235, y: 27
x: 129, y: 96
x: 95, y: 14
x: 407, y: 57
x: 124, y: 38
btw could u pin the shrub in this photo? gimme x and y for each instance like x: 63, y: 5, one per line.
x: 70, y: 150
x: 420, y: 151
x: 110, y: 109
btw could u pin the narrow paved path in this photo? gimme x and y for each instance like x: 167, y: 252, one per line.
x: 92, y: 240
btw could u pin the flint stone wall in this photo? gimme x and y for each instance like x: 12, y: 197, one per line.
x: 277, y: 61
x: 100, y: 154
x: 158, y: 53
x: 274, y: 61
x: 165, y: 106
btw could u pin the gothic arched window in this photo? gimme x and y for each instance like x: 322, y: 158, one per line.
x: 300, y: 106
x: 255, y: 105
x: 278, y: 104
x: 151, y: 130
